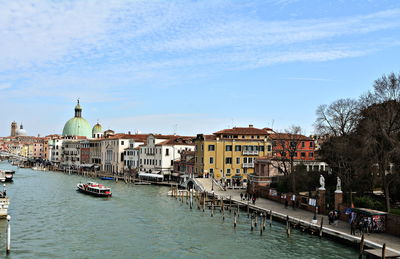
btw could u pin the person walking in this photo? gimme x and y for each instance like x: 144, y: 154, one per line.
x: 241, y: 196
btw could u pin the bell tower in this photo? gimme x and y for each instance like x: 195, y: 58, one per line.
x: 13, y: 129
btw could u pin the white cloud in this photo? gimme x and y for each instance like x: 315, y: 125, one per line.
x: 4, y: 86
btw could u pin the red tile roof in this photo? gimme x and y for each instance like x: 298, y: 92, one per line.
x: 288, y: 136
x: 242, y: 131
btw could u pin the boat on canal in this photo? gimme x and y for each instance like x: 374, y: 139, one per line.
x: 107, y: 178
x: 94, y: 189
x: 4, y: 203
x: 6, y: 175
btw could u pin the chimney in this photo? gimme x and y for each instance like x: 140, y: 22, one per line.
x: 129, y: 133
x: 251, y: 126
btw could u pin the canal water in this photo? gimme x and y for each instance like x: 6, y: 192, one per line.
x: 50, y: 219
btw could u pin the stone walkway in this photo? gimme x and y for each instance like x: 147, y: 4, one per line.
x: 392, y: 242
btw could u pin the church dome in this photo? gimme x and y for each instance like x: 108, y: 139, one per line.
x: 77, y: 126
x: 97, y: 129
x: 21, y: 131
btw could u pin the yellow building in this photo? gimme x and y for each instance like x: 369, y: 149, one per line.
x: 27, y: 150
x: 229, y: 154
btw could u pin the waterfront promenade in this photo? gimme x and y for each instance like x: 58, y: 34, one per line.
x: 342, y: 228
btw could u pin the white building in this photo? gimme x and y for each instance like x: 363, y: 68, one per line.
x: 112, y: 151
x: 160, y: 152
x: 71, y: 153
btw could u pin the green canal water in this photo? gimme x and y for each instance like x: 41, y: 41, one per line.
x: 50, y: 219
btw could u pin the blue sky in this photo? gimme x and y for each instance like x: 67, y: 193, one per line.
x: 190, y: 66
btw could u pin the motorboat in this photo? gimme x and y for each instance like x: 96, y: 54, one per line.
x: 4, y: 203
x: 94, y: 189
x: 8, y: 175
x: 107, y: 178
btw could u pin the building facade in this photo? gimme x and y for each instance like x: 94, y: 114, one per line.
x: 229, y: 154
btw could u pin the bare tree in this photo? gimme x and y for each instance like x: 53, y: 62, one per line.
x: 379, y: 130
x: 285, y: 147
x: 338, y: 119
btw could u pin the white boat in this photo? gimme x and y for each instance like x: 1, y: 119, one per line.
x: 4, y: 203
x: 94, y: 189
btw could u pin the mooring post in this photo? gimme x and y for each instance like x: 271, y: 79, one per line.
x: 230, y: 204
x: 320, y: 228
x: 8, y: 247
x: 287, y: 225
x: 270, y: 218
x: 252, y: 223
x: 204, y: 201
x: 212, y: 208
x: 221, y: 204
x: 384, y: 251
x: 191, y: 200
x: 238, y: 208
x: 361, y: 246
x: 255, y: 218
x: 234, y: 219
x: 261, y: 224
x: 248, y: 210
x: 264, y: 219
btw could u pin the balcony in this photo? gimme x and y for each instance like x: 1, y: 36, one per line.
x: 248, y: 165
x: 250, y: 152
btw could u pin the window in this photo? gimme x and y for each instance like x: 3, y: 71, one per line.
x: 167, y: 151
x: 228, y: 148
x: 211, y: 160
x: 211, y: 147
x: 303, y: 154
x: 228, y: 160
x: 311, y: 144
x: 311, y: 154
x: 172, y: 162
x: 202, y: 147
x: 238, y: 148
x: 238, y: 160
x: 262, y: 148
x: 303, y: 144
x: 237, y: 171
x: 269, y: 148
x: 244, y: 159
x: 228, y: 171
x: 122, y: 142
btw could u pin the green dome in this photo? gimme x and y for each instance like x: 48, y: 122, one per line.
x: 77, y: 126
x: 97, y: 129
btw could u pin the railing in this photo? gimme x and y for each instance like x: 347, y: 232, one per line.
x: 250, y: 152
x: 248, y: 165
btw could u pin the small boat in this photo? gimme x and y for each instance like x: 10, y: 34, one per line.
x: 4, y: 203
x: 8, y: 174
x: 107, y: 178
x: 94, y: 189
x: 142, y: 183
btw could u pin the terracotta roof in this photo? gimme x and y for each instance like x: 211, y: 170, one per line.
x: 288, y: 136
x: 242, y: 131
x: 178, y: 140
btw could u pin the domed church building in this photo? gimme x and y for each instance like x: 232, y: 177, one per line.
x: 97, y: 131
x: 77, y: 126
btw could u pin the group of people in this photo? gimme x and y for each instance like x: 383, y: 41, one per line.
x: 364, y: 224
x: 248, y: 197
x: 333, y: 217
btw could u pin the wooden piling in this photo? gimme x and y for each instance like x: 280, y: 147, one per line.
x: 264, y: 219
x: 234, y: 219
x: 252, y: 223
x: 287, y: 225
x: 255, y: 219
x: 270, y: 218
x: 384, y: 251
x: 320, y: 228
x: 261, y: 224
x: 361, y: 246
